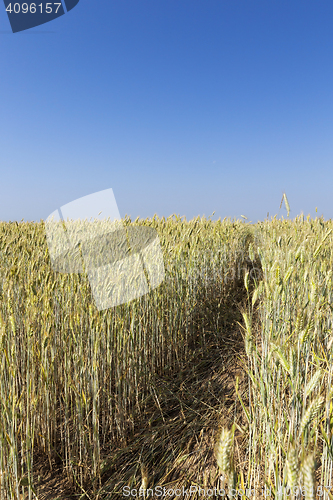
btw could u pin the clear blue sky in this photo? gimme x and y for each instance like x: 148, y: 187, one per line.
x: 179, y: 106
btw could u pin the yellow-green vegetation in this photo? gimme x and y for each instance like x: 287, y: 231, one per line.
x: 100, y: 396
x: 289, y: 357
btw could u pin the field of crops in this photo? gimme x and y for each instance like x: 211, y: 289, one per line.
x: 218, y: 378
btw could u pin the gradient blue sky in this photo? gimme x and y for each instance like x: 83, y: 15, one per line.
x: 179, y: 106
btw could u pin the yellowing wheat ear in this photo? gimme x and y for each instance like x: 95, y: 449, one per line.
x: 223, y: 450
x: 308, y: 472
x: 145, y: 477
x: 311, y: 413
x: 224, y: 457
x: 292, y: 468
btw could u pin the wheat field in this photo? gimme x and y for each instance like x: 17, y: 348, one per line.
x: 218, y: 378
